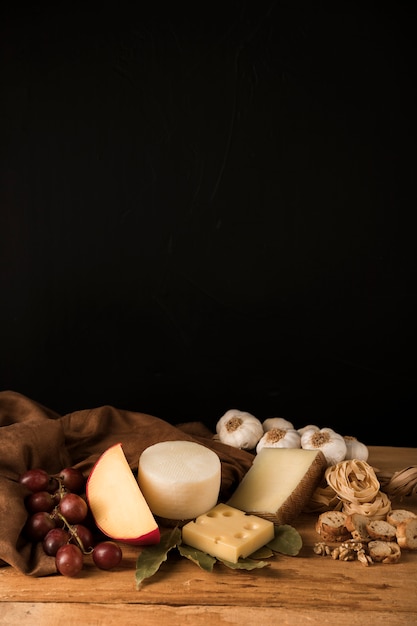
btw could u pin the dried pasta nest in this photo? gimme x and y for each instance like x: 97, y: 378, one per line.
x: 324, y: 498
x: 353, y: 481
x: 400, y: 484
x: 357, y: 487
x: 378, y: 508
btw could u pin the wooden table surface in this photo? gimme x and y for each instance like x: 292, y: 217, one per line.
x: 306, y: 589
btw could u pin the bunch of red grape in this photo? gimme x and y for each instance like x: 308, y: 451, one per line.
x: 59, y: 517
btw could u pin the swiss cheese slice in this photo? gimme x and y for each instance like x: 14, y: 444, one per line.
x: 227, y: 533
x: 179, y: 479
x: 279, y: 483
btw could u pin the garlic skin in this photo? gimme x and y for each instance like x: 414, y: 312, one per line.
x: 277, y: 422
x: 328, y: 441
x: 355, y: 449
x: 279, y: 438
x: 239, y: 429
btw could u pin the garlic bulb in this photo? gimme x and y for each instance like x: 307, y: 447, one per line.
x: 355, y: 449
x: 276, y: 422
x: 328, y: 441
x: 279, y: 438
x: 239, y: 429
x: 308, y: 427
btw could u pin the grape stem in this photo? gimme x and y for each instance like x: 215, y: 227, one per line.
x: 61, y: 491
x: 72, y: 531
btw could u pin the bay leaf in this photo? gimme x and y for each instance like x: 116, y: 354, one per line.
x: 202, y: 559
x: 262, y: 553
x: 247, y: 563
x: 151, y: 557
x: 287, y: 540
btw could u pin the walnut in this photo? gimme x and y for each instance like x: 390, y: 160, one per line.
x: 321, y: 548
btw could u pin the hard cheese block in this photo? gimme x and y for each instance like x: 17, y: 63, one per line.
x: 179, y: 479
x: 279, y: 483
x: 227, y: 533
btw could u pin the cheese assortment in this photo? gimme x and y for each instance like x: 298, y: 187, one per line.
x: 227, y: 533
x: 179, y: 479
x: 279, y: 483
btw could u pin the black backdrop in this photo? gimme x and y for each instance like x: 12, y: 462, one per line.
x: 211, y: 208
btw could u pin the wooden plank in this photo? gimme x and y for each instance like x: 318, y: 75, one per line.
x: 161, y: 615
x: 307, y: 588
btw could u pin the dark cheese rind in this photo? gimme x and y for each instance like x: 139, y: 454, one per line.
x: 280, y: 483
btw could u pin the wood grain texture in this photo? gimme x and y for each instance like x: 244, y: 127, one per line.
x: 294, y: 590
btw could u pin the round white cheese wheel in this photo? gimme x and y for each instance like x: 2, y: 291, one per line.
x: 179, y: 479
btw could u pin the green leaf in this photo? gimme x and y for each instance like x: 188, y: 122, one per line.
x: 287, y: 540
x: 262, y: 553
x: 202, y: 559
x: 151, y: 557
x: 245, y: 564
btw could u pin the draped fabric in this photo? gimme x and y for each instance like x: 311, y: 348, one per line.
x: 34, y: 436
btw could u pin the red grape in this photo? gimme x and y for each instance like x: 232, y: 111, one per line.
x: 54, y: 539
x: 84, y: 534
x: 38, y: 525
x: 40, y: 501
x: 72, y: 479
x: 69, y: 560
x: 35, y: 480
x: 53, y: 484
x: 107, y: 554
x: 73, y: 507
x: 59, y: 518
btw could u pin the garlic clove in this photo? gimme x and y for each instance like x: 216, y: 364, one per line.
x: 277, y: 422
x: 328, y: 441
x: 355, y: 449
x: 279, y: 438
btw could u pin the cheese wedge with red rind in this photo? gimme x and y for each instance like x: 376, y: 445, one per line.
x: 280, y: 483
x: 116, y: 502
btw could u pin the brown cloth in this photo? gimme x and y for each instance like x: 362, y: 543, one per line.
x: 33, y: 436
